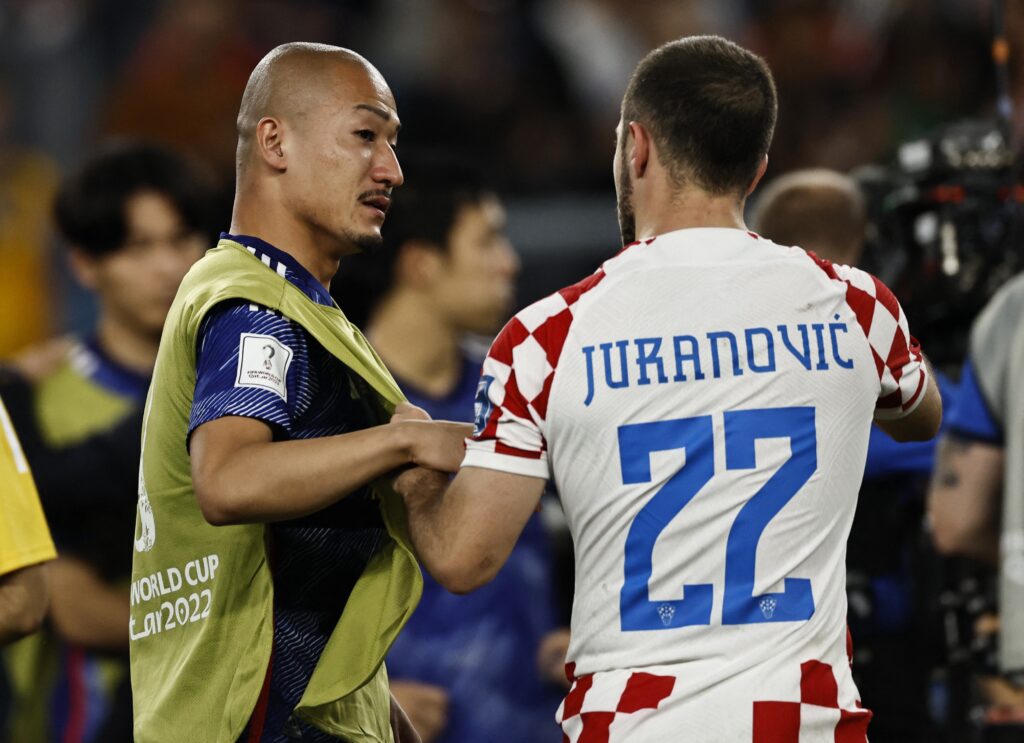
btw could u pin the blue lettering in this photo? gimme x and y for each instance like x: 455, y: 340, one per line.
x: 819, y: 333
x: 693, y: 357
x: 588, y: 353
x: 769, y: 366
x: 714, y: 337
x: 606, y: 349
x: 647, y: 354
x: 805, y: 357
x: 833, y: 328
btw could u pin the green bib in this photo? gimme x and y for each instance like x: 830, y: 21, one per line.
x: 202, y: 596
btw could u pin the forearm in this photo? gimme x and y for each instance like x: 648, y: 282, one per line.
x: 274, y: 481
x: 964, y: 497
x: 84, y: 609
x: 22, y: 602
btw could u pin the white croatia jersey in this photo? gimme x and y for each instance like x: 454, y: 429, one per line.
x: 703, y: 403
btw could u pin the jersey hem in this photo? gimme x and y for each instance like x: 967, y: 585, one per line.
x: 506, y: 463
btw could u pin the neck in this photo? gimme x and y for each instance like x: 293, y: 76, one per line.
x: 125, y: 345
x: 416, y: 343
x: 257, y: 215
x: 687, y: 209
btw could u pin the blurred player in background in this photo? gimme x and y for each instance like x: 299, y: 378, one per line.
x: 710, y: 601
x: 136, y: 217
x: 25, y: 545
x: 824, y: 211
x: 464, y: 666
x: 266, y: 523
x: 976, y: 502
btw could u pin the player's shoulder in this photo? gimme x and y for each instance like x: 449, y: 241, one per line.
x: 544, y: 324
x: 231, y: 323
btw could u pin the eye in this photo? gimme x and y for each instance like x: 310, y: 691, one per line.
x: 366, y: 134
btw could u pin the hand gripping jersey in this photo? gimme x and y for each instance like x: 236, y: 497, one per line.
x: 703, y: 403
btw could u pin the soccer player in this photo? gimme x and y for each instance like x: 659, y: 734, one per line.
x: 271, y: 569
x: 25, y: 543
x: 135, y: 217
x: 464, y: 665
x: 702, y: 403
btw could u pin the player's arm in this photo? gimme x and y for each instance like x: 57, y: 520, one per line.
x: 964, y: 498
x: 909, y: 406
x: 923, y: 422
x: 465, y: 533
x: 23, y: 600
x: 241, y: 475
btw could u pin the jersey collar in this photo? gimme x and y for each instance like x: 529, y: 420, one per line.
x: 90, y: 360
x: 284, y: 264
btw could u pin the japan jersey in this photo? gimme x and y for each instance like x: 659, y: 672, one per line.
x: 703, y: 404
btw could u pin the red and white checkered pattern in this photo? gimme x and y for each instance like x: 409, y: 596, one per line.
x: 587, y: 713
x: 816, y: 718
x: 522, y: 361
x: 897, y: 354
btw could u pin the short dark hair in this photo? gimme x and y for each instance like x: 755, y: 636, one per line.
x: 425, y: 208
x: 710, y: 106
x: 90, y: 204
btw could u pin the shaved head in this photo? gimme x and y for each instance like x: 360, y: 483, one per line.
x: 292, y: 82
x: 316, y: 161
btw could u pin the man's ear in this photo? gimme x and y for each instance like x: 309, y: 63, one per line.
x: 757, y: 178
x: 270, y: 143
x: 84, y: 267
x: 418, y: 264
x: 640, y: 157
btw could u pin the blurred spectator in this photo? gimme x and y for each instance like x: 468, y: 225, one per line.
x: 976, y: 503
x: 27, y: 183
x: 819, y: 210
x: 465, y: 667
x: 136, y: 217
x: 185, y: 81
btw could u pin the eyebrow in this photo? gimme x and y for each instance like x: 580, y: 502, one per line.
x: 379, y: 112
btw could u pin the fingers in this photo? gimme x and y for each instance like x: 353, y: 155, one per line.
x: 405, y: 411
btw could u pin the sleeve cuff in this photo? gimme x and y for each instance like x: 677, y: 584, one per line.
x: 512, y: 464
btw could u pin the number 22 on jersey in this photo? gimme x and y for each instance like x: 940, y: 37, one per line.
x: 696, y: 436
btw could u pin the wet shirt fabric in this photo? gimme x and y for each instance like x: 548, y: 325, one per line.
x: 254, y: 363
x: 481, y: 648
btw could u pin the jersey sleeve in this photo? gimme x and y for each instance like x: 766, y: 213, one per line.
x: 251, y: 362
x: 515, y: 384
x: 24, y: 537
x: 899, y: 362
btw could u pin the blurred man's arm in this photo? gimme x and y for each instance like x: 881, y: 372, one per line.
x: 84, y: 609
x: 22, y: 602
x: 964, y: 498
x: 463, y: 535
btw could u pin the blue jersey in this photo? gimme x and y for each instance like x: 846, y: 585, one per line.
x: 482, y: 647
x: 970, y: 416
x: 307, y: 393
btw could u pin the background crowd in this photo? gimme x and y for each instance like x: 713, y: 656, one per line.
x: 528, y: 91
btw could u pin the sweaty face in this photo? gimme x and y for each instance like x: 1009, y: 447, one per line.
x: 137, y: 283
x: 477, y: 285
x: 343, y: 164
x: 623, y: 190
